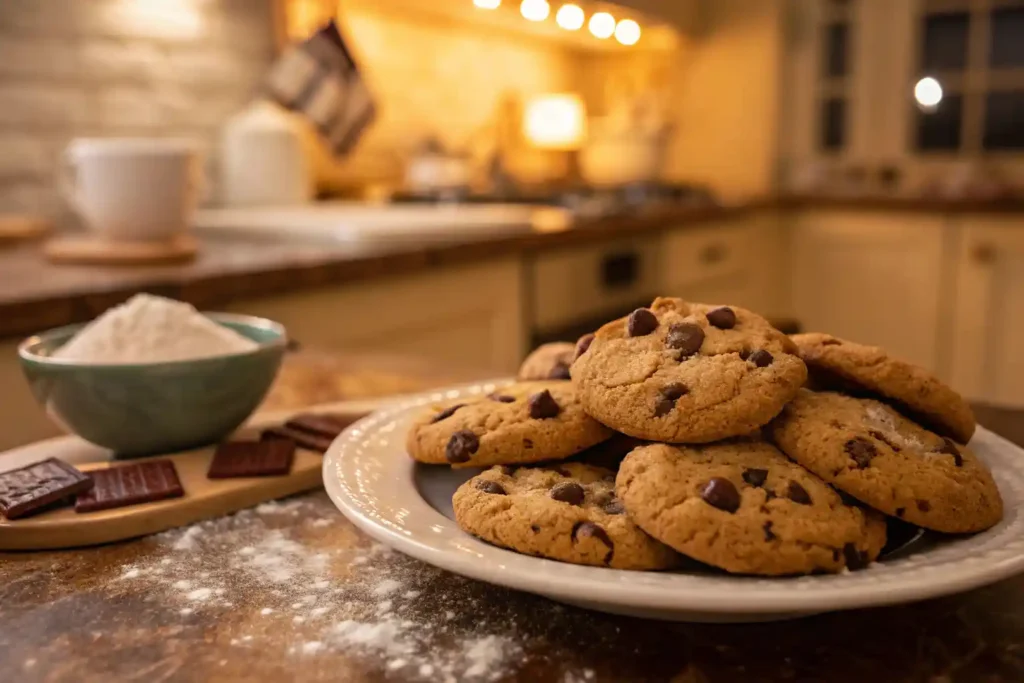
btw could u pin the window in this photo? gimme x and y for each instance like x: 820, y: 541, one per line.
x: 834, y: 80
x: 975, y: 50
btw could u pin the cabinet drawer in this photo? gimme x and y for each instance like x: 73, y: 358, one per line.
x: 572, y: 285
x: 696, y: 255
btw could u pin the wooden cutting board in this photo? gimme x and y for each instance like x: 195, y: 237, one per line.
x: 204, y: 498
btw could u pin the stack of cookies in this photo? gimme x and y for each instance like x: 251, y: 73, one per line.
x: 701, y: 431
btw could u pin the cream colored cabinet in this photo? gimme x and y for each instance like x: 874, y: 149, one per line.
x: 467, y: 317
x: 875, y: 278
x: 988, y: 328
x: 736, y: 261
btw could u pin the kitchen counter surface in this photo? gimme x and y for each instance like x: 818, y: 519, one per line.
x: 291, y: 591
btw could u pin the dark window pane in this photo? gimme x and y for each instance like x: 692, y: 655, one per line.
x: 945, y: 41
x: 939, y: 129
x: 1007, y: 37
x: 833, y: 124
x: 835, y: 46
x: 1004, y: 120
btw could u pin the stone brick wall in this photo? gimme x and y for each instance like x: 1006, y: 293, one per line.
x: 72, y: 68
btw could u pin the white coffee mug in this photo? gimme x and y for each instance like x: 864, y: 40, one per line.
x: 133, y: 189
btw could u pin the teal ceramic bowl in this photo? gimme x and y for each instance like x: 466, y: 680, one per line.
x: 152, y: 408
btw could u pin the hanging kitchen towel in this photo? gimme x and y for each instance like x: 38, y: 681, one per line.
x: 320, y: 80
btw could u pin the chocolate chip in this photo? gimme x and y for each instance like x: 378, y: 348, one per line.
x: 798, y: 494
x: 924, y: 506
x: 447, y: 412
x: 500, y: 398
x: 560, y: 371
x: 861, y: 451
x: 949, y: 448
x: 490, y: 487
x: 641, y: 322
x: 720, y: 493
x: 527, y: 443
x: 685, y: 338
x: 568, y: 492
x: 461, y: 446
x: 723, y: 318
x: 831, y: 342
x: 508, y: 470
x: 768, y: 535
x: 667, y: 400
x: 835, y: 555
x: 591, y: 530
x: 900, y: 512
x: 855, y: 559
x: 755, y: 477
x: 583, y: 344
x: 761, y: 358
x: 769, y: 494
x: 745, y: 354
x: 534, y: 528
x: 542, y: 405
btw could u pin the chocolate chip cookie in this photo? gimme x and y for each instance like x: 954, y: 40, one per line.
x: 741, y: 506
x: 869, y: 372
x: 568, y: 513
x: 687, y: 373
x: 870, y: 451
x: 520, y: 423
x: 548, y: 361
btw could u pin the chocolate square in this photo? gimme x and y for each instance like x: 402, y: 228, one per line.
x: 140, y: 482
x: 267, y: 458
x: 306, y: 441
x: 320, y: 424
x: 31, y: 489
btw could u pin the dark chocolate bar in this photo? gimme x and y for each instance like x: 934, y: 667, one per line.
x: 320, y: 424
x: 31, y: 489
x: 267, y: 458
x: 304, y: 440
x: 134, y: 484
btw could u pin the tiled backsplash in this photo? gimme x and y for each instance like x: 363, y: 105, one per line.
x: 73, y: 68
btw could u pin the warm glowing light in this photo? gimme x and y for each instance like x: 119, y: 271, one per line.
x: 535, y: 10
x: 928, y: 92
x: 627, y: 32
x: 570, y: 17
x: 487, y: 4
x: 556, y: 121
x: 157, y: 18
x: 602, y: 25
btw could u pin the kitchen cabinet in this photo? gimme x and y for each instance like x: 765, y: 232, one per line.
x: 737, y: 261
x: 468, y: 317
x: 988, y: 321
x: 875, y: 278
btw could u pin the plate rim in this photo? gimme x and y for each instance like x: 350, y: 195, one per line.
x: 476, y: 559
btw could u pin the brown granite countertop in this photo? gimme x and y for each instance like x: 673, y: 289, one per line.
x: 291, y: 591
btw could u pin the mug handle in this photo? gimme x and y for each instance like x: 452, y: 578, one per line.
x: 67, y: 180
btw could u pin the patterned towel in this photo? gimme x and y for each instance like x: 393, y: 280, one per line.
x: 320, y: 80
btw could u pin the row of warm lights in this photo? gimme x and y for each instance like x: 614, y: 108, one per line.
x: 571, y: 17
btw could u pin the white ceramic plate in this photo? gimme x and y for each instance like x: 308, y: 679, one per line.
x: 407, y: 506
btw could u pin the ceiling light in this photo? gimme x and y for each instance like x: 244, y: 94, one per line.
x: 535, y: 10
x: 570, y: 17
x: 928, y: 92
x: 602, y: 25
x: 627, y: 32
x: 487, y: 4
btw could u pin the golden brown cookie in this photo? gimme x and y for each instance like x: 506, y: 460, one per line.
x: 568, y: 513
x: 741, y: 506
x: 870, y: 451
x: 687, y: 373
x: 521, y: 423
x: 548, y: 361
x: 869, y: 372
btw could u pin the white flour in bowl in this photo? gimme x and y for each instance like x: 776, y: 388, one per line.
x: 152, y: 329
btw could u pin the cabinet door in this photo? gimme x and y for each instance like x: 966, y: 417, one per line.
x: 988, y: 338
x: 874, y: 278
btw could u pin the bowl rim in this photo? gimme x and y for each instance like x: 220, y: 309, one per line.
x: 26, y: 346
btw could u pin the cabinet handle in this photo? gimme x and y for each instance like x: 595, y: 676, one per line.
x: 712, y: 254
x: 621, y: 270
x: 983, y: 254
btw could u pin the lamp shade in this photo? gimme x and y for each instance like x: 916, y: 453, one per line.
x: 556, y: 121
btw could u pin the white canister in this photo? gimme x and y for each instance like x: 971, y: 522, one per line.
x: 263, y: 159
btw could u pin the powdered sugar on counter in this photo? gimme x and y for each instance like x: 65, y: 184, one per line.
x: 317, y: 600
x: 151, y: 329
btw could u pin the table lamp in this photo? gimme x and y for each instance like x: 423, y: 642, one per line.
x: 557, y: 122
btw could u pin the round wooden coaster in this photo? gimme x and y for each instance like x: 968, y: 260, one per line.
x: 19, y: 228
x: 92, y: 250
